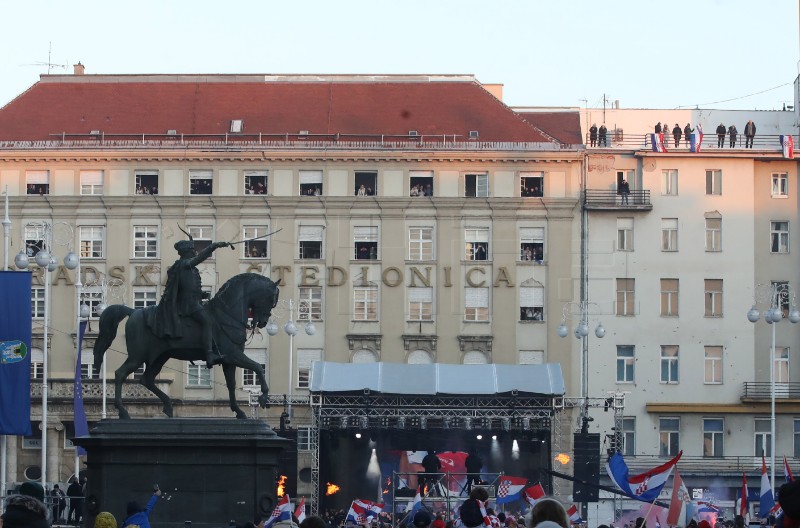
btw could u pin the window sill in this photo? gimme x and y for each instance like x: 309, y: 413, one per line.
x: 477, y: 322
x: 531, y: 262
x: 411, y: 262
x: 365, y: 321
x: 145, y: 259
x: 197, y: 387
x: 532, y: 321
x: 780, y: 196
x: 418, y: 321
x: 356, y: 261
x: 713, y: 316
x: 467, y: 261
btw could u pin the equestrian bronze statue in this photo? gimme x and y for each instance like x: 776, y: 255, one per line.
x: 182, y: 326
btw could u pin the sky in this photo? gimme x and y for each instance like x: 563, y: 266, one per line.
x: 729, y: 54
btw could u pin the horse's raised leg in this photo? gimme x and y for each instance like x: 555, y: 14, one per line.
x: 119, y: 377
x: 229, y: 370
x: 149, y: 381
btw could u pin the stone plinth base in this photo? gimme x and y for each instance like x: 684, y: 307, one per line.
x: 210, y: 470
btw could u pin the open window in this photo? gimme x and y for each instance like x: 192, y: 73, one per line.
x: 531, y: 302
x: 476, y: 185
x: 255, y: 182
x: 531, y: 184
x: 147, y: 182
x: 310, y: 242
x: 38, y: 182
x: 366, y: 183
x: 310, y: 183
x: 531, y: 244
x: 365, y: 239
x: 421, y: 183
x: 477, y: 243
x: 200, y: 181
x: 202, y: 236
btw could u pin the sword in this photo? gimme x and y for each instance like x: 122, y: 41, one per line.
x: 256, y: 238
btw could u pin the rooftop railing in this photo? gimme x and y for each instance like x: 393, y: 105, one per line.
x: 710, y: 142
x: 610, y: 199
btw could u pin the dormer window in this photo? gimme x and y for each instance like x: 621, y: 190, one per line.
x: 237, y: 125
x: 473, y: 134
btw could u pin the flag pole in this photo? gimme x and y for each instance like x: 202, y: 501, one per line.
x: 3, y: 438
x: 650, y: 509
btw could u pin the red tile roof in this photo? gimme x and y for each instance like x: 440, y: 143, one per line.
x: 564, y: 126
x: 193, y: 105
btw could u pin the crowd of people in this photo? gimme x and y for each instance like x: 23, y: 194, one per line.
x: 732, y: 133
x: 420, y: 190
x: 27, y: 509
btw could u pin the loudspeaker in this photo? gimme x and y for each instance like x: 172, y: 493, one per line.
x: 587, y: 467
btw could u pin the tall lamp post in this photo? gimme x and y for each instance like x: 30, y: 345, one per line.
x: 286, y: 309
x: 582, y: 312
x: 776, y: 296
x: 44, y: 232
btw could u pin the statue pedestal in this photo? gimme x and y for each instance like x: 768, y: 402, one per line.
x: 210, y: 470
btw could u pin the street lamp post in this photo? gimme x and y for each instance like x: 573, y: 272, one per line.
x: 108, y: 288
x: 44, y: 232
x: 777, y: 296
x: 287, y: 307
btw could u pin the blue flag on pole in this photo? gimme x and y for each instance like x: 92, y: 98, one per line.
x: 15, y: 361
x: 81, y: 425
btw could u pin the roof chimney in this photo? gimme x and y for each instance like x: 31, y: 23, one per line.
x: 78, y: 69
x: 495, y: 89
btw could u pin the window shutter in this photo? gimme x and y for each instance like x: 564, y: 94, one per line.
x: 477, y: 298
x: 37, y: 355
x: 93, y: 177
x: 200, y: 174
x: 365, y: 233
x: 37, y: 177
x: 531, y: 296
x: 305, y: 357
x: 531, y: 234
x: 255, y: 173
x: 420, y: 174
x: 477, y: 235
x: 307, y: 177
x: 482, y: 185
x: 311, y: 233
x: 420, y: 294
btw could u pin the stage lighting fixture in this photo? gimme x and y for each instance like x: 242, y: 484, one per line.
x: 506, y: 424
x: 526, y: 424
x: 365, y: 422
x: 423, y: 422
x: 343, y: 423
x: 479, y: 437
x: 401, y: 422
x: 467, y: 424
x: 358, y: 435
x: 494, y: 437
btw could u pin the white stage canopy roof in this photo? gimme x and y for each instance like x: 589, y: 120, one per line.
x: 436, y: 378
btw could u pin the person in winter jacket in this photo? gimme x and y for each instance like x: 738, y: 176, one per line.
x: 140, y: 517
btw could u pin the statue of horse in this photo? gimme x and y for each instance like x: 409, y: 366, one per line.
x: 245, y: 296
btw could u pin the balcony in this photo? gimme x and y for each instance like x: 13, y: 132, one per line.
x: 615, y: 139
x: 761, y: 391
x: 609, y: 200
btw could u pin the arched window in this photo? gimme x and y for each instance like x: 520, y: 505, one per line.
x: 419, y: 357
x: 364, y: 356
x: 475, y: 357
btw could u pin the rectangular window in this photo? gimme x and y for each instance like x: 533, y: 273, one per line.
x: 87, y: 364
x: 476, y: 185
x: 202, y: 236
x: 714, y: 182
x: 200, y: 181
x: 780, y: 185
x: 669, y: 234
x: 420, y: 243
x: 476, y: 304
x: 420, y: 304
x: 91, y: 182
x: 779, y: 237
x: 249, y: 377
x: 531, y: 357
x: 669, y: 433
x: 310, y: 242
x: 629, y: 436
x: 144, y: 296
x: 305, y: 358
x: 781, y: 374
x: 91, y: 241
x: 37, y: 302
x: 146, y: 182
x: 365, y: 242
x: 366, y: 183
x: 38, y: 182
x: 762, y: 440
x: 477, y: 243
x: 531, y: 244
x: 255, y: 181
x: 669, y: 297
x: 625, y: 363
x: 531, y: 303
x: 310, y: 183
x: 304, y: 438
x: 712, y: 365
x: 310, y: 305
x: 145, y: 242
x: 198, y: 375
x: 669, y: 182
x: 713, y: 297
x: 257, y: 245
x: 626, y: 296
x: 420, y: 183
x: 531, y: 184
x: 34, y: 239
x: 37, y: 364
x: 365, y: 303
x: 713, y: 234
x: 669, y: 364
x: 624, y: 234
x: 797, y: 438
x: 713, y: 432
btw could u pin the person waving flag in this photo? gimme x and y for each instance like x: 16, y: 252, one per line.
x: 644, y: 487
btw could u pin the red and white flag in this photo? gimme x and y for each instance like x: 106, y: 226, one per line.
x: 680, y: 496
x: 300, y: 512
x: 533, y: 494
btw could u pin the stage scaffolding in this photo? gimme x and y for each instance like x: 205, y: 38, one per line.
x: 522, y: 412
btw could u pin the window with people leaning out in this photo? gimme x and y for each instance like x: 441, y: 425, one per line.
x: 146, y: 183
x: 421, y: 183
x: 531, y: 185
x: 366, y: 183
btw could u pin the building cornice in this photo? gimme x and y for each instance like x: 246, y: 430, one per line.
x: 783, y: 407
